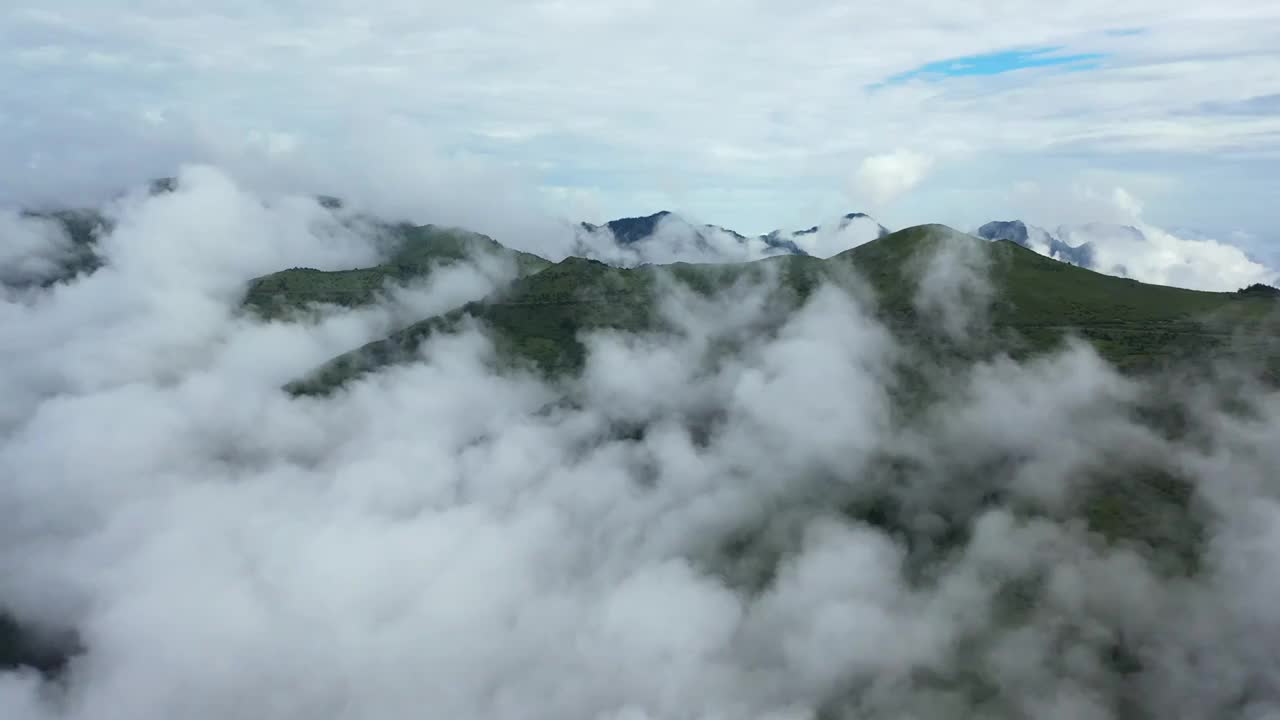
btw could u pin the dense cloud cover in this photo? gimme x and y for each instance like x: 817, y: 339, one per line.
x: 442, y: 539
x: 33, y: 250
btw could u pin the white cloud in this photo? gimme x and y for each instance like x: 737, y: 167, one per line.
x: 954, y: 290
x: 443, y: 536
x: 1112, y: 221
x: 685, y: 107
x: 1153, y: 255
x: 676, y: 239
x: 834, y: 237
x: 32, y: 249
x: 883, y: 178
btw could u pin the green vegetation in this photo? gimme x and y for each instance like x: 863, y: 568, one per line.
x: 1036, y: 303
x: 418, y: 250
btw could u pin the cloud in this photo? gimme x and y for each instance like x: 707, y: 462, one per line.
x: 32, y: 249
x: 884, y: 178
x: 686, y: 108
x: 1122, y: 242
x: 673, y: 534
x: 954, y: 291
x: 672, y: 238
x: 834, y: 237
x: 1153, y: 255
x: 170, y: 283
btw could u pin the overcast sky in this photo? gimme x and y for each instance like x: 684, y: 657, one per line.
x: 750, y: 114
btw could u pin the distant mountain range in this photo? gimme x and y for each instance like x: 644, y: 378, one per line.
x: 539, y: 319
x: 1040, y: 240
x: 1131, y: 252
x: 667, y: 237
x: 660, y: 238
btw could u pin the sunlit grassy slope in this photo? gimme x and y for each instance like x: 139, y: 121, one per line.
x: 1035, y: 302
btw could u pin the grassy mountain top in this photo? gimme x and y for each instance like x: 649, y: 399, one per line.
x: 1034, y: 303
x: 418, y: 250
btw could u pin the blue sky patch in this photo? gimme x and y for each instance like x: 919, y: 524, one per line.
x: 997, y: 63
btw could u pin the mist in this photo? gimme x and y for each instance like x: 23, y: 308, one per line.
x: 826, y: 522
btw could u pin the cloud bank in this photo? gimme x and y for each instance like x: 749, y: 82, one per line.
x: 677, y: 533
x: 1123, y: 243
x: 1155, y: 255
x: 667, y: 238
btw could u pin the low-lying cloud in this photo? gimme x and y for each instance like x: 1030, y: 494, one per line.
x: 1154, y: 255
x: 676, y: 533
x: 33, y: 250
x: 675, y: 239
x: 1118, y: 240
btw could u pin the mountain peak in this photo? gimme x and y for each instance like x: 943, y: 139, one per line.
x: 1013, y: 230
x: 1040, y: 240
x: 632, y: 229
x: 709, y: 242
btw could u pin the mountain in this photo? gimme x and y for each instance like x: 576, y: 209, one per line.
x: 1039, y: 240
x: 632, y: 230
x: 1094, y: 235
x: 1035, y: 303
x: 845, y: 223
x: 667, y: 237
x: 540, y: 322
x: 417, y: 251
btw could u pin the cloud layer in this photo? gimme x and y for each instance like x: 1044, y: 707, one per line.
x: 1127, y: 245
x: 34, y: 249
x: 663, y: 537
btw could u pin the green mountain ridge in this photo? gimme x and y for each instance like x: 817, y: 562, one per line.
x: 418, y: 251
x: 1036, y: 302
x: 1126, y: 499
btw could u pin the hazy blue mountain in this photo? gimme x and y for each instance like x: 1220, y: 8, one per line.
x: 665, y: 236
x: 1040, y: 240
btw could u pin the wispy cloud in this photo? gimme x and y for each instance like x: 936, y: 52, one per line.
x: 751, y: 119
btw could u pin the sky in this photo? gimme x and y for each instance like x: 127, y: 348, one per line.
x: 756, y: 115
